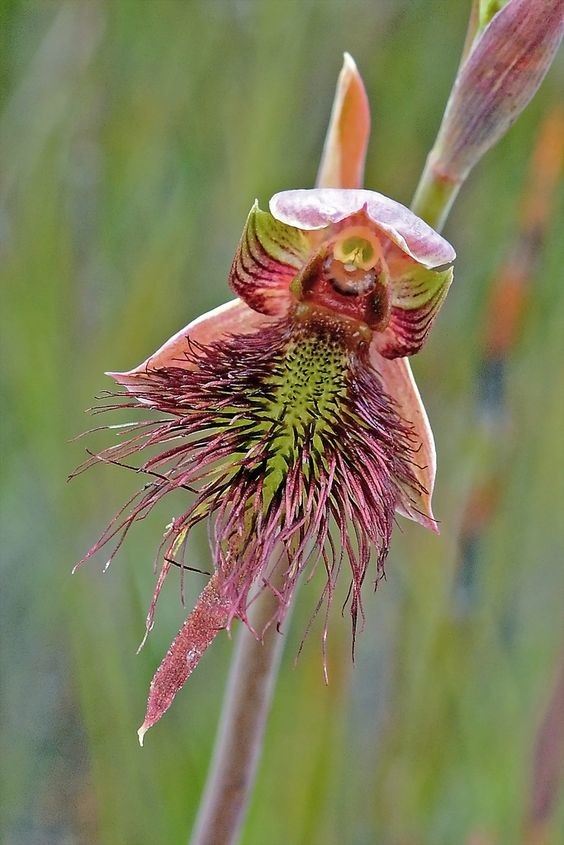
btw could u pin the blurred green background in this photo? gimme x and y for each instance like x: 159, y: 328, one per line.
x: 134, y: 136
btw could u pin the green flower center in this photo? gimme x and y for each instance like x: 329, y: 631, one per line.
x: 358, y: 247
x: 358, y: 251
x: 303, y: 396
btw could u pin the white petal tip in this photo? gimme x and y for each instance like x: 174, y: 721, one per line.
x: 141, y: 733
x: 120, y: 377
x: 143, y: 641
x: 427, y: 521
x: 423, y: 518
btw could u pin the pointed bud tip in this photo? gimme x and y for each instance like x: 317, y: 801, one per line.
x: 344, y: 152
x: 349, y: 63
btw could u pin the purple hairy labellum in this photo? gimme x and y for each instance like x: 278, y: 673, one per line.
x: 289, y: 416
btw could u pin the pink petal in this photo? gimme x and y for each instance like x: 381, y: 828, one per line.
x: 231, y: 318
x: 321, y: 207
x: 269, y: 256
x: 399, y: 383
x: 342, y: 163
x: 416, y: 297
x: 209, y: 617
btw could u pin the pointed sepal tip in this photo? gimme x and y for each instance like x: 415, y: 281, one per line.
x: 141, y: 733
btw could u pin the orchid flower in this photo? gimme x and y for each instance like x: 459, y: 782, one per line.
x: 290, y: 414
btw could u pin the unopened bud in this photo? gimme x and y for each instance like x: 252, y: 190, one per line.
x: 501, y: 75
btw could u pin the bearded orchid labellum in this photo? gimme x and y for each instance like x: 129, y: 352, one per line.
x: 290, y: 413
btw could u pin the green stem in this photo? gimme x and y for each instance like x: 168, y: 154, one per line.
x: 434, y: 196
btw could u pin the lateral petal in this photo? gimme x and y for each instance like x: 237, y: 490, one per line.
x: 398, y: 382
x: 270, y: 254
x: 416, y: 297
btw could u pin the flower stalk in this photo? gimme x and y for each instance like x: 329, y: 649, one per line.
x: 435, y: 197
x: 251, y: 683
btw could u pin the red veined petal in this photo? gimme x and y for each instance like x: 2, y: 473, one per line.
x: 416, y: 295
x: 269, y: 256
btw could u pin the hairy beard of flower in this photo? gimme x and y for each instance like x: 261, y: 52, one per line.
x: 291, y: 448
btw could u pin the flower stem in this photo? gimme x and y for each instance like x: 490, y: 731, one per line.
x: 245, y: 709
x: 434, y: 196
